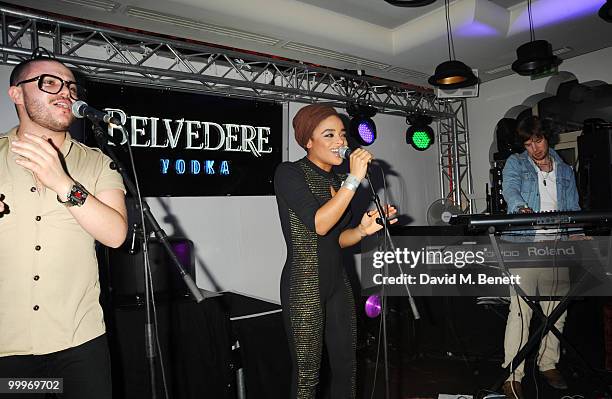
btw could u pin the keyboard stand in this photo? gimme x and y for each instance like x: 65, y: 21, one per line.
x: 547, y: 325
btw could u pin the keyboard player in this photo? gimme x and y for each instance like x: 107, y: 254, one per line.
x: 536, y: 180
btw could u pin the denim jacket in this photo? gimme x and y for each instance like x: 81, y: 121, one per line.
x: 520, y: 184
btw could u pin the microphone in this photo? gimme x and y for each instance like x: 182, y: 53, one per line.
x: 344, y: 152
x: 80, y: 109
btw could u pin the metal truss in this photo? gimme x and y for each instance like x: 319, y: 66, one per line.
x: 130, y: 57
x: 126, y: 56
x: 455, y: 162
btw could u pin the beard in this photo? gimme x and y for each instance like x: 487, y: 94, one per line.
x: 39, y: 113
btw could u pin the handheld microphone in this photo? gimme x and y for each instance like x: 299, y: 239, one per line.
x: 344, y: 152
x: 80, y: 109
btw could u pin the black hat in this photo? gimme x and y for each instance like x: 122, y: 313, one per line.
x: 534, y: 57
x: 410, y: 3
x: 453, y: 74
x: 605, y: 12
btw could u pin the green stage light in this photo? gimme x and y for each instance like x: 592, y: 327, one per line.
x: 421, y: 139
x: 419, y: 135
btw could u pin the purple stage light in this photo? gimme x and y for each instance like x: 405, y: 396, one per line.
x: 373, y: 306
x: 476, y: 29
x: 366, y: 132
x: 182, y: 250
x: 361, y: 126
x: 551, y: 12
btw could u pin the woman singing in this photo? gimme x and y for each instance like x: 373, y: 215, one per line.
x: 316, y: 296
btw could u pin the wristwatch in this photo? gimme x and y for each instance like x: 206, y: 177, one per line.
x: 76, y: 197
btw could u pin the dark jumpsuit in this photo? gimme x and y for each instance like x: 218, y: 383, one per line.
x: 315, y: 293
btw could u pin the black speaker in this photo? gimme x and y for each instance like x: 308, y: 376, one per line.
x: 506, y: 138
x: 126, y: 265
x: 595, y: 166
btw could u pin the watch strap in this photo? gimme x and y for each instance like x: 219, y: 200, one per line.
x: 76, y: 197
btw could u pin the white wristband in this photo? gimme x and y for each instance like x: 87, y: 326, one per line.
x: 351, y: 182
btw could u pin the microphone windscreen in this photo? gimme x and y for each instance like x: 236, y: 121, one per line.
x: 76, y: 108
x: 344, y: 152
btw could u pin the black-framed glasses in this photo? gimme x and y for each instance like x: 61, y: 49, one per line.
x: 52, y: 84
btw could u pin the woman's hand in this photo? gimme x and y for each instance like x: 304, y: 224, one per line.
x: 359, y: 160
x: 368, y: 225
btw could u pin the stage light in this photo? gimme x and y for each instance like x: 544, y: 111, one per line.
x: 373, y: 307
x: 419, y: 135
x: 536, y: 56
x: 452, y: 74
x: 363, y: 129
x: 361, y: 126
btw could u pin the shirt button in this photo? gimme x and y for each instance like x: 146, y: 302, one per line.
x: 35, y: 307
x: 37, y: 247
x: 33, y: 189
x: 36, y: 277
x: 38, y: 218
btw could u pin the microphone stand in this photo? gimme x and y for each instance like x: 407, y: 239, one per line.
x: 382, y: 220
x: 101, y: 138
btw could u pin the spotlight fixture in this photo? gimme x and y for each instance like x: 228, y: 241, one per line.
x: 361, y: 126
x: 452, y: 74
x: 419, y: 135
x: 605, y: 12
x: 373, y: 306
x: 536, y: 56
x: 410, y: 3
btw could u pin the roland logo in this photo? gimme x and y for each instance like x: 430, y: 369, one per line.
x: 550, y: 251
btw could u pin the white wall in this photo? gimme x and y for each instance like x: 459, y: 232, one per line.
x: 498, y: 96
x: 238, y: 239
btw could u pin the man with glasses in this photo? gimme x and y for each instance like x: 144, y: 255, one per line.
x: 56, y: 197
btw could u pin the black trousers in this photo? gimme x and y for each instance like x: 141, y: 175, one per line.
x: 319, y: 312
x: 85, y: 369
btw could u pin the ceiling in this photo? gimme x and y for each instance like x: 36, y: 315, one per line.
x: 403, y: 44
x: 380, y: 13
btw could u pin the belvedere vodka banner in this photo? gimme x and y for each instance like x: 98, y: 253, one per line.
x: 188, y: 144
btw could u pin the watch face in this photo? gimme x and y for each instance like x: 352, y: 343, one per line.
x: 78, y: 195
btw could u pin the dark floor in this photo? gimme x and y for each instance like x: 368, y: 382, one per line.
x: 456, y: 348
x: 428, y: 377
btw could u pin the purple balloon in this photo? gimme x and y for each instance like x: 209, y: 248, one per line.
x: 373, y: 306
